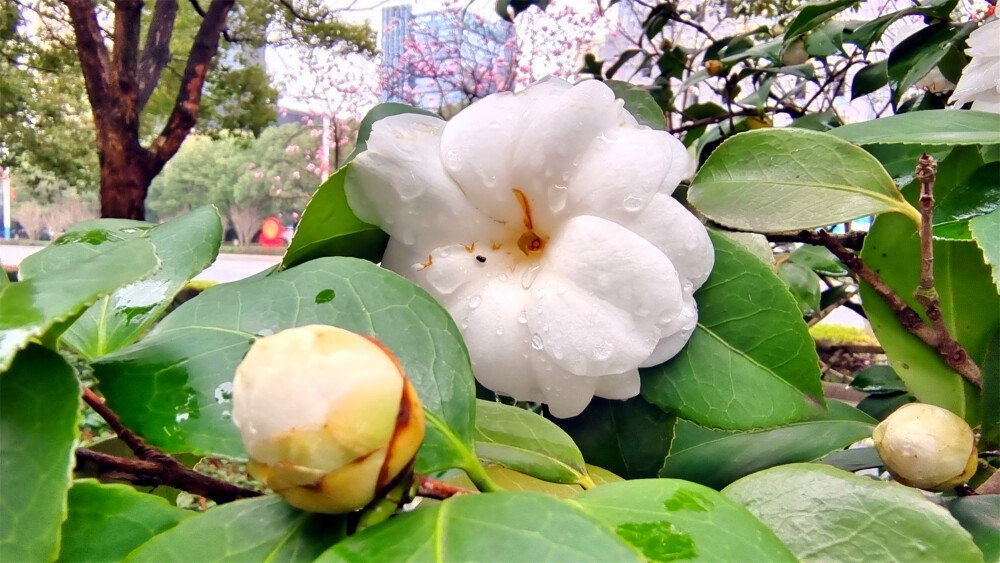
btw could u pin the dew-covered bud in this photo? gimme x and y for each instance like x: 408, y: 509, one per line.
x: 327, y: 416
x: 926, y: 447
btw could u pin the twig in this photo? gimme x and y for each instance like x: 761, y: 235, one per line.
x: 154, y: 473
x: 831, y: 308
x: 432, y: 488
x: 991, y: 486
x: 134, y: 443
x: 828, y: 346
x: 953, y: 353
x: 853, y: 240
x: 925, y: 294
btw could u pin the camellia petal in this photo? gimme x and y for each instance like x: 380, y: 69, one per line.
x: 542, y: 222
x: 980, y: 81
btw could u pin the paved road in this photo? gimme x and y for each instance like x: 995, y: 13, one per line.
x: 228, y: 267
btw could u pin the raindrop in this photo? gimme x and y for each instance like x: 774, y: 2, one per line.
x: 453, y: 160
x: 490, y: 180
x: 561, y: 288
x: 325, y: 296
x: 224, y: 392
x: 181, y: 417
x: 522, y: 317
x: 495, y: 125
x: 557, y: 197
x: 475, y: 301
x: 605, y: 138
x: 536, y: 341
x: 226, y: 415
x: 529, y: 276
x: 632, y: 203
x: 499, y: 331
x: 687, y: 287
x: 503, y: 277
x: 603, y: 350
x: 465, y: 322
x: 540, y: 293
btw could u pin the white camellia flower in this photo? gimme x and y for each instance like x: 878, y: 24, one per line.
x: 543, y: 222
x: 980, y: 81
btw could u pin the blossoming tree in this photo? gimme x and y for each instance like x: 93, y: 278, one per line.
x: 513, y: 335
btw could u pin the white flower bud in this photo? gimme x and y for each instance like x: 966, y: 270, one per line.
x: 327, y: 416
x: 926, y: 447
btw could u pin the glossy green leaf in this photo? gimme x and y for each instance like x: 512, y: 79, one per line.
x: 811, y: 16
x: 878, y: 380
x: 756, y: 243
x: 819, y: 260
x: 916, y: 55
x: 39, y: 408
x: 639, y: 103
x: 974, y: 194
x: 784, y: 179
x: 854, y: 459
x: 900, y: 160
x: 931, y: 127
x: 990, y: 437
x: 527, y: 442
x: 826, y: 40
x: 881, y: 406
x: 511, y: 480
x: 985, y: 230
x: 245, y: 531
x: 825, y: 514
x: 716, y: 458
x: 28, y: 309
x: 107, y: 522
x: 803, y: 284
x: 510, y: 526
x: 732, y: 374
x: 173, y: 386
x: 606, y: 434
x: 969, y: 303
x: 869, y: 33
x: 329, y: 228
x: 185, y: 246
x: 672, y: 520
x: 979, y: 515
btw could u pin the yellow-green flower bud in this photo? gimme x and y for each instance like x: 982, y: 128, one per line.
x: 926, y: 447
x: 327, y: 416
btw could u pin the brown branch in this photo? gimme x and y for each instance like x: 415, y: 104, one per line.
x: 134, y: 443
x: 185, y: 113
x: 853, y: 240
x: 153, y: 473
x: 93, y: 54
x: 125, y: 61
x: 953, y: 353
x: 831, y: 308
x: 925, y: 294
x: 156, y: 51
x: 432, y: 488
x: 296, y: 14
x: 201, y: 12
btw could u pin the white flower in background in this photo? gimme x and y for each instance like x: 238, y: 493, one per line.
x: 980, y: 82
x: 543, y: 222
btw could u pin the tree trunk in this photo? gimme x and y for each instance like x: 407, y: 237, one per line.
x: 125, y: 179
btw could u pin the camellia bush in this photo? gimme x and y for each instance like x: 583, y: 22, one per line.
x: 536, y: 332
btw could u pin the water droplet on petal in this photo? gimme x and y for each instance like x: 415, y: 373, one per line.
x: 536, y: 341
x: 561, y: 288
x: 557, y: 197
x: 453, y: 160
x: 603, y: 350
x: 540, y: 293
x: 632, y: 203
x: 605, y: 138
x: 475, y: 301
x: 522, y: 317
x: 529, y: 276
x: 503, y: 277
x: 495, y: 125
x: 499, y: 331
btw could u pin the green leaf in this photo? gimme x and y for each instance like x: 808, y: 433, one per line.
x: 106, y: 522
x: 756, y: 243
x: 784, y: 179
x: 855, y: 459
x: 260, y: 529
x: 872, y: 31
x: 931, y: 127
x: 173, y: 386
x: 716, y: 458
x: 30, y: 308
x: 732, y: 374
x: 826, y: 40
x: 990, y: 438
x: 971, y: 195
x: 919, y: 53
x: 986, y: 232
x: 819, y: 260
x: 606, y: 434
x: 527, y: 442
x: 881, y: 406
x: 329, y: 228
x: 511, y: 480
x: 508, y: 526
x: 803, y: 283
x: 811, y: 16
x: 878, y: 380
x: 900, y: 160
x: 185, y: 246
x: 825, y: 514
x: 639, y: 103
x: 978, y: 515
x: 39, y: 408
x: 869, y: 79
x: 671, y: 520
x: 970, y: 305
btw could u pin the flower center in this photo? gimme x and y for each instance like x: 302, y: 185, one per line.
x: 529, y: 242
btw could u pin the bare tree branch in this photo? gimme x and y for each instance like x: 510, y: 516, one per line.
x: 156, y: 52
x: 185, y: 113
x: 94, y: 58
x: 125, y: 60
